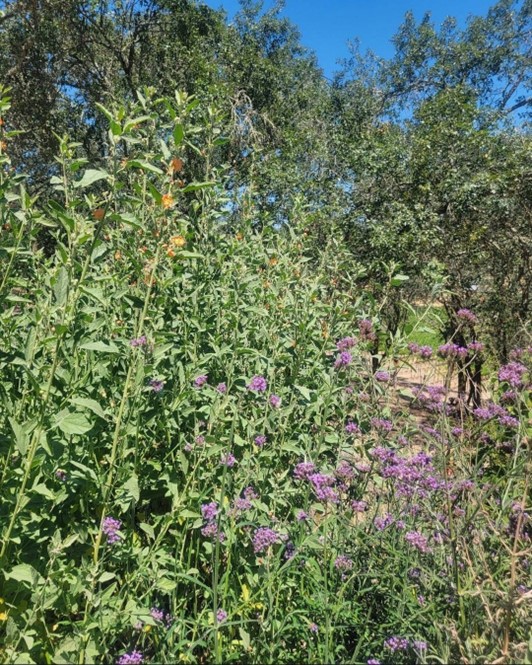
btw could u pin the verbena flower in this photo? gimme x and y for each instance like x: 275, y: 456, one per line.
x: 260, y: 440
x: 301, y: 516
x: 229, y: 460
x: 138, y: 341
x: 209, y: 511
x: 221, y: 388
x: 221, y: 616
x: 466, y: 315
x: 365, y: 327
x: 343, y: 360
x: 513, y: 374
x: 303, y: 470
x: 275, y: 401
x: 111, y: 529
x: 211, y: 530
x: 263, y: 538
x: 133, y: 658
x: 417, y: 540
x: 345, y: 343
x: 343, y: 563
x: 157, y: 614
x: 396, y: 643
x: 258, y: 384
x: 313, y: 627
x: 382, y: 376
x: 352, y: 428
x: 201, y: 380
x: 156, y: 385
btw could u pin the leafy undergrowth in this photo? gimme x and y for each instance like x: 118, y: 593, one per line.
x: 199, y: 463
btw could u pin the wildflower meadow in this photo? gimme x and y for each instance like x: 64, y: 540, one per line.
x: 214, y: 450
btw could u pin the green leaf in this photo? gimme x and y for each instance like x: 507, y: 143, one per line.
x: 100, y: 346
x: 23, y: 572
x: 21, y: 436
x: 135, y: 121
x: 90, y: 176
x: 61, y: 286
x: 72, y: 422
x: 304, y: 391
x: 145, y: 166
x: 397, y: 280
x: 193, y: 186
x: 131, y: 486
x: 127, y: 218
x: 178, y: 134
x: 90, y: 404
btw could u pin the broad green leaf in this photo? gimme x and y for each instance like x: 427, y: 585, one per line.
x: 61, y: 286
x: 145, y: 166
x: 178, y: 134
x: 90, y: 176
x: 21, y: 436
x: 23, y: 572
x: 90, y: 404
x: 73, y: 423
x: 100, y: 346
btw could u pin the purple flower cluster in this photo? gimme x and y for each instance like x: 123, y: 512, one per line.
x: 228, y: 460
x: 359, y: 506
x: 466, y: 315
x: 452, y: 350
x: 492, y: 410
x: 382, y: 424
x: 346, y: 343
x: 221, y: 616
x: 418, y: 540
x: 424, y: 351
x: 343, y: 563
x: 344, y: 471
x: 513, y: 374
x: 275, y: 401
x: 382, y: 376
x: 133, y: 658
x: 157, y: 614
x: 343, y: 359
x: 222, y: 388
x: 138, y: 341
x: 396, y: 643
x: 258, y: 384
x: 111, y: 529
x: 263, y: 538
x: 383, y: 522
x: 433, y: 398
x: 352, y: 428
x: 475, y: 347
x: 260, y: 440
x: 156, y: 385
x: 302, y: 516
x: 413, y: 476
x: 322, y: 484
x: 303, y: 470
x: 209, y: 511
x: 200, y: 381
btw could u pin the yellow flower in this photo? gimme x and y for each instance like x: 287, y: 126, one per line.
x: 178, y: 241
x: 167, y: 201
x: 273, y: 261
x: 176, y: 165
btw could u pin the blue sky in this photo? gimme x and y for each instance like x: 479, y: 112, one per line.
x: 327, y: 25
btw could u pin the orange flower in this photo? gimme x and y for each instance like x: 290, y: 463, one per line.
x: 1, y: 122
x: 239, y: 236
x: 273, y: 261
x: 118, y: 255
x: 167, y: 201
x: 176, y: 165
x: 3, y: 145
x: 178, y: 241
x: 170, y: 252
x: 98, y: 214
